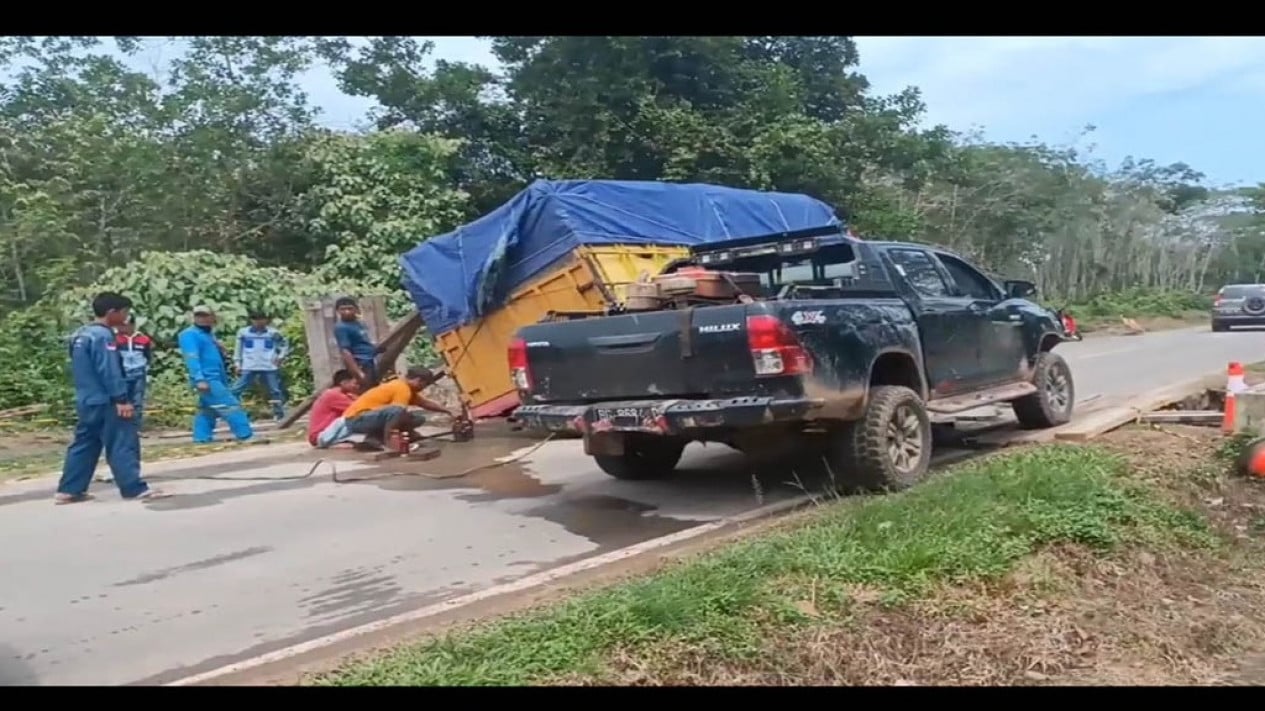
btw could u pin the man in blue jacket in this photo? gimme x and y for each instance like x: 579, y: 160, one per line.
x: 258, y: 353
x: 106, y: 418
x: 207, y: 373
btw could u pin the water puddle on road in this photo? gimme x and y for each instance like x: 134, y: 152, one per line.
x: 467, y: 465
x: 610, y: 521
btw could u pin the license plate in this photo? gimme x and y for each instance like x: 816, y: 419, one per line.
x: 625, y: 416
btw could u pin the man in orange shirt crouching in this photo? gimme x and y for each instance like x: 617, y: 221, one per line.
x: 391, y: 407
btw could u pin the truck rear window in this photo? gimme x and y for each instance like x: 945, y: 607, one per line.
x: 818, y: 269
x: 1239, y: 292
x: 801, y: 273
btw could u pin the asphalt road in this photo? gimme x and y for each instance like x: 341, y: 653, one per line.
x: 113, y: 592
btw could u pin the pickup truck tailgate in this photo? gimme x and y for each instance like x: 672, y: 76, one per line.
x: 686, y: 353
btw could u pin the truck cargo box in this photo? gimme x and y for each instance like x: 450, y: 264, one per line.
x: 590, y: 278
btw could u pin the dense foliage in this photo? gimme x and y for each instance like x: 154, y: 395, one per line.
x: 210, y: 178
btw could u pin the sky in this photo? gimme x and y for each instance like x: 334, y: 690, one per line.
x: 1197, y: 100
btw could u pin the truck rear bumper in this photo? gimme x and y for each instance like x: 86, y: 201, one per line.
x: 665, y: 417
x: 1239, y: 319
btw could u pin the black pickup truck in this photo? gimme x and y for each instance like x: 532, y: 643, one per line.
x: 848, y: 348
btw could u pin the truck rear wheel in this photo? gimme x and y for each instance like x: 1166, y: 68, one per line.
x: 1051, y: 405
x: 643, y: 458
x: 887, y: 450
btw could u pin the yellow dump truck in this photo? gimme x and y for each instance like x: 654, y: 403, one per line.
x: 571, y: 245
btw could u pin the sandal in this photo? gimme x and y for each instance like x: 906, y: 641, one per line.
x: 150, y: 494
x: 61, y: 499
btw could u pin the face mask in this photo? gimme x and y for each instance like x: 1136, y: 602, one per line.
x: 204, y: 328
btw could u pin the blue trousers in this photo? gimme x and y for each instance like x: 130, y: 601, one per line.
x: 370, y: 369
x: 100, y: 428
x: 217, y: 402
x: 271, y: 380
x: 136, y: 394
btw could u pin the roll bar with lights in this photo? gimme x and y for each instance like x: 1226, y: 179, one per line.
x: 785, y: 243
x: 827, y: 244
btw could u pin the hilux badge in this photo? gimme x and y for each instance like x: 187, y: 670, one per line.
x: 720, y: 328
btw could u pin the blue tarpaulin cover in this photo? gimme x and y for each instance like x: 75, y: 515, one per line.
x: 458, y: 277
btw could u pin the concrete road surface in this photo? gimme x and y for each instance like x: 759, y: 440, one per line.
x: 114, y: 592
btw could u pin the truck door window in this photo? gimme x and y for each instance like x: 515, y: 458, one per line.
x: 919, y: 271
x: 970, y: 282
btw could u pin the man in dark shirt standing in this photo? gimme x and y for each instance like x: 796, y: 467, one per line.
x: 107, y: 418
x: 354, y: 344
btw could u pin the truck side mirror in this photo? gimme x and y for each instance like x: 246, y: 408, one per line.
x: 1019, y: 289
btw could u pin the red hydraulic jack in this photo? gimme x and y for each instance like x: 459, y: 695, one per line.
x: 407, y: 445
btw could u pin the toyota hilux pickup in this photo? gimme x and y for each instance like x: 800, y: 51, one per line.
x: 842, y: 354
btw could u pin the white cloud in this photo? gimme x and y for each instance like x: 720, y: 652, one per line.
x: 1021, y: 85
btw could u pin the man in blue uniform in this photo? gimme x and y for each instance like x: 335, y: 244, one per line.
x: 106, y: 416
x: 207, y: 373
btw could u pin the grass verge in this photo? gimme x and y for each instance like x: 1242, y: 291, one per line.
x: 46, y: 455
x: 1112, y: 325
x: 815, y: 574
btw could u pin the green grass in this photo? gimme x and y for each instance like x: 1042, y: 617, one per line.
x: 973, y: 524
x: 1140, y: 303
x: 1147, y: 305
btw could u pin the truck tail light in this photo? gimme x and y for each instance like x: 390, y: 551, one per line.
x: 520, y: 371
x: 774, y: 348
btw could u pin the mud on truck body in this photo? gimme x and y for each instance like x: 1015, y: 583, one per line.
x: 832, y: 350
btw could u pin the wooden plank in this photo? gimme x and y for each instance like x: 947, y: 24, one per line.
x: 297, y: 412
x: 1097, y: 423
x: 1184, y: 417
x: 398, y: 339
x: 23, y: 411
x: 1104, y: 415
x: 318, y: 319
x: 1131, y: 410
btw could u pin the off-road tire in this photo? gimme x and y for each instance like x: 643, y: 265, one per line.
x: 861, y: 458
x: 1051, y: 405
x: 643, y: 459
x: 1218, y: 327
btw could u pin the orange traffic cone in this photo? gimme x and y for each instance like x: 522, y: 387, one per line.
x: 1234, y: 384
